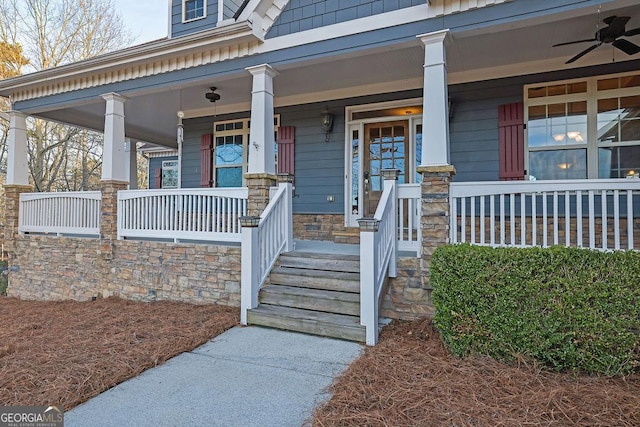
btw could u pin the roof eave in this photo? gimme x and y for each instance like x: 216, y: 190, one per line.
x: 227, y: 34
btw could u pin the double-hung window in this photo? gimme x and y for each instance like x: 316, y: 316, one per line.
x: 587, y: 128
x: 230, y: 151
x: 193, y: 9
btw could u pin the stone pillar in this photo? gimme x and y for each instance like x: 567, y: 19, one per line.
x: 17, y: 156
x: 114, y: 155
x: 261, y: 138
x: 436, y: 182
x: 109, y: 216
x: 12, y: 213
x: 435, y: 115
x: 259, y: 185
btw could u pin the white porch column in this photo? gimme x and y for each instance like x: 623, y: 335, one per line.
x: 261, y: 143
x: 435, y: 115
x: 114, y: 157
x: 17, y: 155
x: 132, y: 165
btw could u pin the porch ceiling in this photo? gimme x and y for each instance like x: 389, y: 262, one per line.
x: 473, y: 54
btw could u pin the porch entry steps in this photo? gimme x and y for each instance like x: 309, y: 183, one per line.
x: 314, y: 293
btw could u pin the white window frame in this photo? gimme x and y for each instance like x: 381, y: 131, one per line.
x: 245, y: 132
x: 591, y: 96
x: 169, y: 165
x: 184, y: 11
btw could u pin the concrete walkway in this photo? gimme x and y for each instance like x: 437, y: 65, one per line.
x: 247, y: 376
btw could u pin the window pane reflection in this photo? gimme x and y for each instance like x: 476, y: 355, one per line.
x: 618, y: 162
x: 558, y: 164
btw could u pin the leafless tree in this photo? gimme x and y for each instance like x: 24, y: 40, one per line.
x: 53, y: 33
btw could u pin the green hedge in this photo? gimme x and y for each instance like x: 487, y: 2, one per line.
x: 571, y: 309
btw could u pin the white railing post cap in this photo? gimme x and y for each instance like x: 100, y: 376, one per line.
x: 249, y: 221
x: 368, y: 224
x: 390, y: 174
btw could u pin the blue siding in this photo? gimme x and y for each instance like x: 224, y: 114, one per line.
x: 474, y: 127
x: 230, y: 7
x: 193, y: 130
x: 319, y: 164
x: 301, y: 15
x: 178, y: 28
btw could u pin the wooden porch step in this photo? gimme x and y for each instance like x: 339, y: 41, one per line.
x: 316, y: 261
x: 308, y: 321
x: 341, y: 281
x: 311, y: 299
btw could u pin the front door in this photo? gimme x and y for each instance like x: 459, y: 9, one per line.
x: 386, y: 146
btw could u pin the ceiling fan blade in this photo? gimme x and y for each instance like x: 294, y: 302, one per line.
x: 574, y: 42
x: 626, y: 46
x: 583, y: 53
x: 633, y: 32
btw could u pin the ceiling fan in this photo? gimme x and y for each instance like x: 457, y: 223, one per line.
x: 610, y: 34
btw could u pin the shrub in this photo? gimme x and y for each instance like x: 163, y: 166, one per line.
x: 571, y: 309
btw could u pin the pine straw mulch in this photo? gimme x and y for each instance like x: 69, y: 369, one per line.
x: 63, y: 353
x: 409, y: 379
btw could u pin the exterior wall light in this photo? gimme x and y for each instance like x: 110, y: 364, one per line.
x: 327, y: 123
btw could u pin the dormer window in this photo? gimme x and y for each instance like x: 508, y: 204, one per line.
x: 193, y: 9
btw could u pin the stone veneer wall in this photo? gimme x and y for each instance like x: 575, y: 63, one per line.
x: 406, y: 296
x: 58, y: 268
x: 327, y: 227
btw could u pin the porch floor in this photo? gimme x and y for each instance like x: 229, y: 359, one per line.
x: 325, y: 247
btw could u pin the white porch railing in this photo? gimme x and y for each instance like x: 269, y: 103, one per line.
x: 378, y: 256
x: 409, y: 215
x: 76, y: 213
x: 598, y: 214
x: 262, y: 242
x: 209, y: 214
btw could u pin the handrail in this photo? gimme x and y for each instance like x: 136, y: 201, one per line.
x: 263, y: 240
x: 74, y: 213
x: 378, y: 255
x: 275, y: 232
x: 601, y: 214
x: 208, y: 214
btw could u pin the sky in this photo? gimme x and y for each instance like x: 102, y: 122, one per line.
x: 146, y: 19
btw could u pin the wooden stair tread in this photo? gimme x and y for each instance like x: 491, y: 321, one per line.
x: 308, y: 321
x: 319, y: 255
x: 316, y: 279
x: 312, y: 293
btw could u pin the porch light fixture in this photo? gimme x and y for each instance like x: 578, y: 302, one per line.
x: 327, y: 123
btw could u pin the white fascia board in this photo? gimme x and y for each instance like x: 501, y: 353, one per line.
x: 225, y: 35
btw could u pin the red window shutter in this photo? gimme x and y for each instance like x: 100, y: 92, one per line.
x: 511, y: 139
x: 206, y: 160
x: 157, y: 178
x: 286, y: 150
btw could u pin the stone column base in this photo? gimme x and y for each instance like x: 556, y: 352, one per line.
x: 259, y: 185
x: 435, y: 213
x: 109, y: 214
x: 12, y: 213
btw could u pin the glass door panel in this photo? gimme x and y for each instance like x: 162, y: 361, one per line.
x: 386, y: 147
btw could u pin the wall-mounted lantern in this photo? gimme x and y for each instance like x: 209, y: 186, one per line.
x: 327, y: 123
